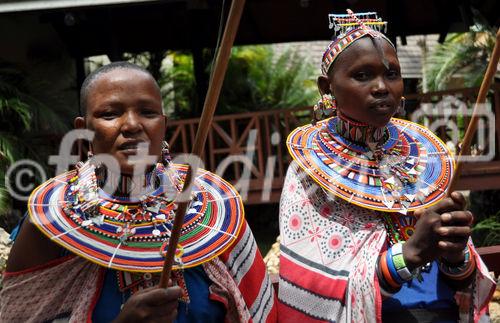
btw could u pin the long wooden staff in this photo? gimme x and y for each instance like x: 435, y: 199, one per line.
x: 481, y: 98
x: 207, y: 114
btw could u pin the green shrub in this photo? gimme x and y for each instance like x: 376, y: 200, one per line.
x: 487, y: 232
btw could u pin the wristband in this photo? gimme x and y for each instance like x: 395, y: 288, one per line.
x: 385, y: 271
x: 399, y: 263
x: 392, y: 268
x: 385, y: 289
x: 460, y: 271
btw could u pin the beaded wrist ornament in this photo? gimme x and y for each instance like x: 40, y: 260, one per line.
x: 392, y: 271
x: 388, y: 286
x: 460, y: 271
x: 395, y: 253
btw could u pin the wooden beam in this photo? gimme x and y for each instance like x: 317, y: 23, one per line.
x: 491, y: 257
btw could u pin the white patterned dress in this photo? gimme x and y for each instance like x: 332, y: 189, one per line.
x: 328, y: 255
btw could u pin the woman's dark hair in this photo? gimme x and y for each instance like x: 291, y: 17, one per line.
x: 89, y: 80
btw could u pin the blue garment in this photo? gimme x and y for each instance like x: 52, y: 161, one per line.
x: 111, y: 299
x: 202, y: 309
x: 15, y: 231
x: 431, y: 293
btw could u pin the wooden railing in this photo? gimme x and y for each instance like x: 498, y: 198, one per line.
x: 483, y: 170
x: 253, y: 144
x: 253, y: 140
x: 491, y: 255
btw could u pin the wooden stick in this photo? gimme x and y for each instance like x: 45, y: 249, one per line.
x: 211, y: 99
x: 481, y: 98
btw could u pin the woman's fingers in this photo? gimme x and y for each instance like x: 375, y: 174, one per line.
x: 441, y: 231
x: 451, y: 233
x: 457, y: 217
x: 166, y: 309
x: 152, y: 305
x: 447, y: 205
x: 459, y: 198
x: 449, y: 246
x: 161, y: 296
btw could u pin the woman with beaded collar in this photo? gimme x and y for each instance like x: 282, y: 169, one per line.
x: 90, y: 250
x: 367, y: 233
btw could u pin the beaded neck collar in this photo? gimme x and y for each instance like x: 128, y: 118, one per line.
x: 407, y: 170
x: 359, y: 132
x: 131, y: 233
x: 123, y: 185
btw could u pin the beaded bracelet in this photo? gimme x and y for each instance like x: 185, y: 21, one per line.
x: 399, y: 262
x: 392, y: 271
x: 392, y: 268
x: 384, y: 269
x: 460, y: 271
x: 385, y: 289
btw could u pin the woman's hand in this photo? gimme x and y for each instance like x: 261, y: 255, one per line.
x: 442, y: 231
x: 151, y: 305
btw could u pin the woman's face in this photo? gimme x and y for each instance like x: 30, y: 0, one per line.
x: 365, y: 89
x: 124, y: 109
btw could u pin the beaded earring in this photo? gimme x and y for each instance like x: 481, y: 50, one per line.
x: 90, y: 153
x: 165, y: 153
x: 401, y: 109
x: 326, y: 107
x: 90, y: 159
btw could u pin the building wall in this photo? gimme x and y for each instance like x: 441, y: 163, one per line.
x: 410, y: 55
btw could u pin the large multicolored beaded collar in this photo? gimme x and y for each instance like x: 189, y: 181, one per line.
x: 131, y: 234
x: 408, y: 169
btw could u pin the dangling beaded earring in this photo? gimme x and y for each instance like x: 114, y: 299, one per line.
x: 90, y: 153
x: 401, y: 109
x: 99, y: 168
x: 326, y: 107
x: 165, y: 153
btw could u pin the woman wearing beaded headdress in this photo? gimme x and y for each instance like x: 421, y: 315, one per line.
x: 367, y: 232
x: 96, y: 236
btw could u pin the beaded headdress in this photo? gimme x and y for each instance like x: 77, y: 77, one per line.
x: 348, y: 28
x: 398, y: 168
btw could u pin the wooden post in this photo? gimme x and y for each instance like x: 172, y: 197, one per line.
x: 481, y: 98
x: 214, y: 88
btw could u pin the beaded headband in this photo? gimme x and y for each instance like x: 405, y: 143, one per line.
x: 349, y: 28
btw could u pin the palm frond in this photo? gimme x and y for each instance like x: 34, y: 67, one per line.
x: 487, y: 232
x: 45, y: 118
x: 259, y: 78
x: 462, y: 55
x: 10, y: 148
x: 14, y: 107
x: 5, y: 199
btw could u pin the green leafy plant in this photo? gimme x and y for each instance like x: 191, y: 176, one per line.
x: 24, y: 117
x: 14, y: 115
x: 463, y: 56
x: 487, y: 232
x: 259, y: 79
x: 484, y: 206
x: 178, y: 85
